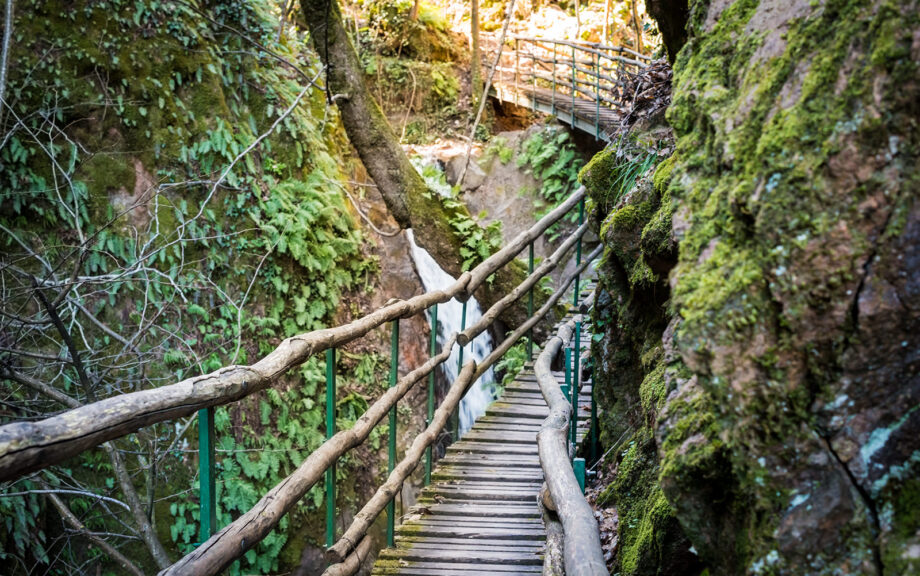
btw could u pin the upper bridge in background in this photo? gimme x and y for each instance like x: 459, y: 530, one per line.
x: 580, y: 83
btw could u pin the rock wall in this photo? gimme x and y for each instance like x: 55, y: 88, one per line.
x: 776, y: 354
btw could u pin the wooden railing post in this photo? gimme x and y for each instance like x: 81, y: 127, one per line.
x: 207, y: 494
x: 330, y: 432
x: 391, y: 452
x: 433, y: 351
x: 530, y: 303
x: 581, y: 220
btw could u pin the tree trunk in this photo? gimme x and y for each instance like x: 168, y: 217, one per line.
x: 476, y: 57
x: 635, y: 15
x: 406, y: 195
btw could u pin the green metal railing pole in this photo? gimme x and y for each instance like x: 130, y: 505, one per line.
x: 593, y: 430
x: 554, y: 78
x: 581, y: 220
x: 330, y: 431
x: 568, y: 372
x: 517, y: 68
x: 533, y: 73
x: 391, y: 453
x: 207, y: 493
x: 459, y: 368
x: 434, y: 346
x: 597, y: 97
x: 573, y: 429
x: 573, y: 86
x: 530, y: 303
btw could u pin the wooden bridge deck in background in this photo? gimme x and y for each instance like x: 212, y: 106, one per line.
x: 599, y: 121
x: 480, y: 514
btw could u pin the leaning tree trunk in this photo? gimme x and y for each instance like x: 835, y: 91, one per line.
x: 406, y: 195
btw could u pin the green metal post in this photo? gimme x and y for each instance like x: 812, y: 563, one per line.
x: 581, y: 220
x: 554, y: 78
x: 597, y: 97
x: 530, y: 302
x: 391, y: 453
x: 576, y: 382
x: 573, y: 86
x: 434, y: 346
x: 330, y: 431
x: 594, y: 428
x: 207, y: 493
x: 578, y: 466
x: 533, y: 73
x: 573, y: 428
x: 459, y: 368
x: 568, y: 373
x: 517, y: 68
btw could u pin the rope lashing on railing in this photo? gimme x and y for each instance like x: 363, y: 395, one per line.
x: 582, y: 546
x: 29, y: 446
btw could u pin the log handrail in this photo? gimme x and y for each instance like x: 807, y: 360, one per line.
x: 363, y: 520
x: 25, y: 447
x: 29, y: 446
x: 582, y: 546
x: 218, y: 552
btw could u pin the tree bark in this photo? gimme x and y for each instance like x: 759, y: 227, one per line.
x: 635, y: 15
x: 582, y: 544
x: 406, y: 195
x: 475, y: 55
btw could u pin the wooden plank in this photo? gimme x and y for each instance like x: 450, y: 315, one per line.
x: 469, y: 556
x: 472, y: 532
x: 473, y: 508
x: 481, y: 514
x: 501, y: 436
x: 455, y: 569
x: 470, y: 447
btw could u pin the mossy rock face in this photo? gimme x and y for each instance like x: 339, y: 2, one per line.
x: 788, y: 438
x: 631, y: 363
x: 796, y: 324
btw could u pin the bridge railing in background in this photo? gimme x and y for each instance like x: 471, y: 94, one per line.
x: 566, y: 77
x: 29, y: 446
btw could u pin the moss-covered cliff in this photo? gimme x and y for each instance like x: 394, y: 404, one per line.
x: 776, y: 354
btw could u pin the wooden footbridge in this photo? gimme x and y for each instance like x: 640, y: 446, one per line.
x: 580, y: 83
x: 482, y: 515
x: 505, y: 500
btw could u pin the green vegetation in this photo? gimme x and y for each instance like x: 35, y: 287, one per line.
x: 512, y: 363
x: 549, y: 154
x: 137, y: 183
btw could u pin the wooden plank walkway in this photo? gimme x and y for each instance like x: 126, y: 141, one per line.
x: 480, y: 514
x: 599, y: 121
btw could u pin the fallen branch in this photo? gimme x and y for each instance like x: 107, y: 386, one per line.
x: 113, y: 553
